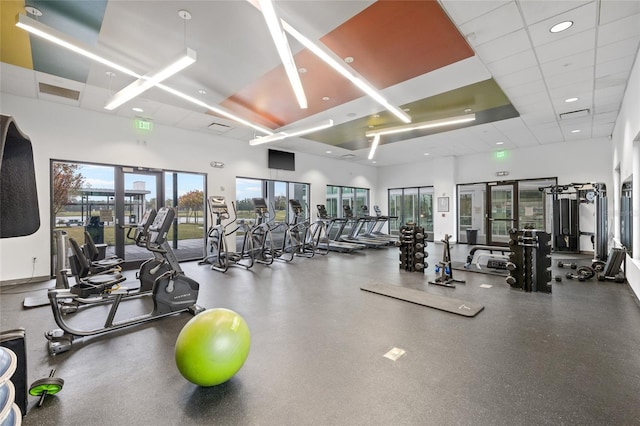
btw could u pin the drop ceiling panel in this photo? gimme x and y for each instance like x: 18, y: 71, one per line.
x: 583, y: 18
x: 516, y: 132
x: 22, y: 80
x: 622, y: 65
x: 612, y: 10
x: 577, y: 43
x: 581, y: 89
x: 462, y: 11
x: 567, y: 78
x: 570, y: 63
x: 603, y: 130
x: 548, y: 136
x: 536, y: 11
x: 518, y: 78
x: 528, y: 89
x: 619, y: 30
x: 503, y: 47
x: 605, y: 118
x: 532, y: 103
x: 496, y: 23
x: 617, y: 50
x: 513, y: 63
x: 612, y: 80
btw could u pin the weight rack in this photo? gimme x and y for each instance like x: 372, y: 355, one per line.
x: 530, y: 260
x: 412, y: 246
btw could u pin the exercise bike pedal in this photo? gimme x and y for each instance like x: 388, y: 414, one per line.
x: 195, y: 309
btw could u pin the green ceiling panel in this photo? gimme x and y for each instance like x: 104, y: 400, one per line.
x: 80, y: 20
x: 485, y: 99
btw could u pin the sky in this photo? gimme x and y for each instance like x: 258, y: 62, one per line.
x: 102, y: 177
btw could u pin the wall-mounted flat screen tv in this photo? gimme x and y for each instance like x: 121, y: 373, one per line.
x: 282, y: 160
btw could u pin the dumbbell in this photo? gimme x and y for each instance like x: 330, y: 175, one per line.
x: 564, y: 265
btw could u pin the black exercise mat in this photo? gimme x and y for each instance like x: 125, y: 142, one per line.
x: 448, y: 304
x: 459, y: 266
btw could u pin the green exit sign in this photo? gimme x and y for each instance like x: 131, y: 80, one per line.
x: 145, y: 125
x: 501, y: 154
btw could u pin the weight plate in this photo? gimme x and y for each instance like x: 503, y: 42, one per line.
x: 50, y: 385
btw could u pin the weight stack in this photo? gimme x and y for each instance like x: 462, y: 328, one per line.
x: 412, y: 245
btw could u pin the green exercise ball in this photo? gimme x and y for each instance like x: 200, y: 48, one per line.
x: 212, y: 347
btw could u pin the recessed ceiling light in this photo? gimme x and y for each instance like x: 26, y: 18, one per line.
x: 137, y: 109
x: 348, y: 59
x: 406, y: 109
x: 374, y: 162
x: 426, y: 153
x: 376, y: 115
x: 327, y: 152
x: 499, y: 143
x: 568, y: 100
x: 184, y: 14
x: 468, y: 110
x: 561, y: 26
x: 575, y: 131
x: 202, y: 92
x: 325, y: 98
x: 371, y: 126
x: 302, y: 70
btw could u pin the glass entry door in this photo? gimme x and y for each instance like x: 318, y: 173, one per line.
x: 136, y: 192
x: 501, y: 213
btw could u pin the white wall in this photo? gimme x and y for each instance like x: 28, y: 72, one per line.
x: 625, y: 135
x: 69, y: 133
x: 579, y: 161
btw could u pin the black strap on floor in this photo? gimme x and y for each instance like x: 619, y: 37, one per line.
x: 455, y: 306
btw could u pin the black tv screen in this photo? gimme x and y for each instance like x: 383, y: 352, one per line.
x: 282, y: 160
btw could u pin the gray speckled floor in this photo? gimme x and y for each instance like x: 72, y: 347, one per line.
x: 318, y: 342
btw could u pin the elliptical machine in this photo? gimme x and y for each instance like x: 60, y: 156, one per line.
x: 218, y: 255
x: 172, y: 293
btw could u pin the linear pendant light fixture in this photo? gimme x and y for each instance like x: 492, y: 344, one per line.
x: 374, y: 145
x: 291, y: 133
x: 282, y: 46
x: 330, y: 59
x: 346, y: 73
x: 149, y: 80
x: 376, y: 134
x: 423, y: 125
x: 38, y: 29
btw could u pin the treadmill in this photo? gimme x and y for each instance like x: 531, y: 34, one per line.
x: 332, y: 243
x: 356, y: 227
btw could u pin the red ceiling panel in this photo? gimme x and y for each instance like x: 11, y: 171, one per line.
x: 391, y: 41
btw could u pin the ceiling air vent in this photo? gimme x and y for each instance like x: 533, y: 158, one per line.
x: 217, y: 127
x: 59, y: 91
x: 574, y: 114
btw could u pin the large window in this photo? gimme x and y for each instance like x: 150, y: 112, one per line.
x: 104, y: 199
x: 339, y: 196
x: 414, y: 204
x: 277, y: 195
x: 511, y: 204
